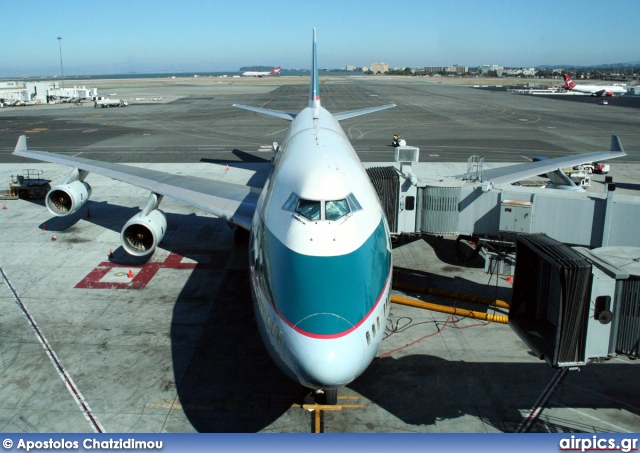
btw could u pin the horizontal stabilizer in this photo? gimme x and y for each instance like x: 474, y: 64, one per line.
x: 518, y: 172
x: 350, y: 114
x: 276, y: 113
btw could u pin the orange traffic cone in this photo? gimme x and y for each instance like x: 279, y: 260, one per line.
x: 130, y: 274
x: 110, y: 254
x: 53, y: 237
x: 509, y: 279
x: 4, y: 206
x: 226, y: 169
x: 44, y: 228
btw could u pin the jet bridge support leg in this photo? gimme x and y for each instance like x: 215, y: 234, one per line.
x: 540, y: 404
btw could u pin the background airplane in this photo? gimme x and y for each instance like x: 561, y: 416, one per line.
x: 261, y: 74
x: 593, y: 90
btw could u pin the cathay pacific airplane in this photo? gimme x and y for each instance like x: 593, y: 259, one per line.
x: 261, y: 73
x: 319, y: 244
x: 320, y: 247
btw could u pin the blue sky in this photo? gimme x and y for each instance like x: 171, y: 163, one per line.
x: 116, y: 36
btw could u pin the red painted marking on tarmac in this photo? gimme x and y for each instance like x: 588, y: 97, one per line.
x: 219, y: 259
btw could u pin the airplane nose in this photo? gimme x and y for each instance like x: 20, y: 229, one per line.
x: 330, y: 361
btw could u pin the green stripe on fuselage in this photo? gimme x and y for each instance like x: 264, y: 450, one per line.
x: 343, y: 289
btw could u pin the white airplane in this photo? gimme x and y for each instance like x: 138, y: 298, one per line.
x: 261, y: 74
x: 320, y: 256
x: 593, y: 90
x: 320, y: 247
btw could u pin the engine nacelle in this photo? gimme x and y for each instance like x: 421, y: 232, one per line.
x: 141, y: 234
x: 66, y: 199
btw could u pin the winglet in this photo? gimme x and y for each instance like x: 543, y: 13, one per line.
x: 21, y: 146
x: 314, y: 91
x: 615, y: 144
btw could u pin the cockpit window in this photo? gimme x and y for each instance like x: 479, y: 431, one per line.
x: 290, y: 204
x: 309, y: 209
x: 322, y: 210
x: 336, y: 209
x: 353, y: 203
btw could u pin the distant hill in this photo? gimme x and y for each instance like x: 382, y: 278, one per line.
x: 599, y: 66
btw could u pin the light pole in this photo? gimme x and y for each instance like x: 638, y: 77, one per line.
x: 61, y: 68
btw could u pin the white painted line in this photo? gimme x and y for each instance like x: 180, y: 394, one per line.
x: 71, y: 386
x: 615, y: 427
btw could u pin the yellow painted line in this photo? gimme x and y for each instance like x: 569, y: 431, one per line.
x: 326, y: 407
x: 318, y: 408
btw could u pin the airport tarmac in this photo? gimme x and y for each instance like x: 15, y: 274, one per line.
x: 174, y: 348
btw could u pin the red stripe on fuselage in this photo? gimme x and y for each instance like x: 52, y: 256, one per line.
x: 321, y: 336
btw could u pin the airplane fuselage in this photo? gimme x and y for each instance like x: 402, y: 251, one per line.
x: 599, y: 90
x: 320, y: 257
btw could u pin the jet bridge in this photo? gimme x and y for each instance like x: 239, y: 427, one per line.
x: 483, y: 210
x: 575, y: 305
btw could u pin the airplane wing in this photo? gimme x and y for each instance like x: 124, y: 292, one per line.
x: 232, y: 202
x: 350, y: 114
x: 276, y: 113
x: 514, y: 173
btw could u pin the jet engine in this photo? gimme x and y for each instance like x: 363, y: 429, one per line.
x: 67, y: 198
x: 142, y: 233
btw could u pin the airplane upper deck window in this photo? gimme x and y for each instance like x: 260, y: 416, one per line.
x: 309, y: 209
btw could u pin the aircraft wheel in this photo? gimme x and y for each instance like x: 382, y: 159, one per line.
x: 331, y: 396
x: 309, y: 398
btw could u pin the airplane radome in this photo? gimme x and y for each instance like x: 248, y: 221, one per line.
x: 319, y: 248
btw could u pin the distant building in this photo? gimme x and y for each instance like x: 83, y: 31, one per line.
x: 527, y: 72
x: 379, y: 68
x: 458, y: 69
x: 351, y: 67
x: 42, y: 92
x: 491, y: 67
